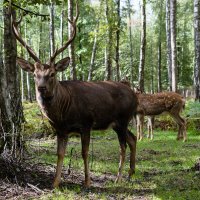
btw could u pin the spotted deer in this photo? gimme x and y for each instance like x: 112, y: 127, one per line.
x: 151, y: 105
x: 78, y: 106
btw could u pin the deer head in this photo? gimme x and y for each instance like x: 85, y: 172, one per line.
x: 44, y: 74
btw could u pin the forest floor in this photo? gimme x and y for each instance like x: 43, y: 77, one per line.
x: 165, y: 169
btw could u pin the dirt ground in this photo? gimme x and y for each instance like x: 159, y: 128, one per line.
x: 27, y: 180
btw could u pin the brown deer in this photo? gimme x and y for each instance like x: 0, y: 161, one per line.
x: 151, y: 105
x: 79, y: 107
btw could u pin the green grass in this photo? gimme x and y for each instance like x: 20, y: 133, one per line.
x: 163, y: 168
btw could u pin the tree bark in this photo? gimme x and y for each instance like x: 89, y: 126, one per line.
x: 197, y: 49
x: 71, y: 47
x: 152, y: 71
x: 173, y: 44
x: 168, y: 37
x: 94, y: 50
x: 130, y: 40
x: 142, y: 47
x: 61, y: 39
x: 159, y: 49
x: 117, y: 41
x: 28, y: 86
x: 13, y: 100
x: 109, y: 43
x: 52, y: 34
x: 41, y: 54
x: 5, y: 123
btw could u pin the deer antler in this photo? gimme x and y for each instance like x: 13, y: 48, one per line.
x: 19, y: 38
x: 70, y: 40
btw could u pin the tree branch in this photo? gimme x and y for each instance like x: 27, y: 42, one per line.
x: 28, y: 11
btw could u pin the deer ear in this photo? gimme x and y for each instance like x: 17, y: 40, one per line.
x: 62, y: 64
x: 25, y: 65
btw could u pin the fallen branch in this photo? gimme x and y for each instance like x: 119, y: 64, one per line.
x: 35, y: 188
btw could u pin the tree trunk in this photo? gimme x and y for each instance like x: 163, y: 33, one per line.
x: 197, y: 49
x: 52, y: 35
x: 71, y: 47
x: 159, y: 49
x: 5, y: 123
x: 159, y: 67
x: 117, y: 40
x: 168, y: 37
x: 173, y: 44
x: 109, y: 40
x: 130, y: 40
x: 142, y: 47
x: 22, y: 77
x: 94, y: 50
x: 13, y: 103
x: 29, y: 92
x: 41, y: 54
x: 152, y: 71
x: 82, y: 75
x: 61, y: 39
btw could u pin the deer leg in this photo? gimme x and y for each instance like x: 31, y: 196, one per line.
x: 182, y: 126
x: 149, y: 127
x: 140, y: 123
x: 122, y: 141
x: 85, y: 140
x: 131, y: 140
x: 138, y: 126
x: 152, y: 127
x: 61, y: 146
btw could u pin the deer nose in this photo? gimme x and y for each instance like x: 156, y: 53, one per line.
x: 42, y: 88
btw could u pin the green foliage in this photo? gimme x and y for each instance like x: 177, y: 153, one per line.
x: 92, y: 14
x: 192, y: 112
x: 36, y: 125
x: 192, y: 109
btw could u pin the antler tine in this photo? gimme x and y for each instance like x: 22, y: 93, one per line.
x: 70, y: 40
x: 19, y: 38
x: 17, y: 22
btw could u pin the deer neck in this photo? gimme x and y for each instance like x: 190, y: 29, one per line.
x: 54, y: 107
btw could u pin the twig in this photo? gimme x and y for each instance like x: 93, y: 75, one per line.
x: 35, y: 188
x: 70, y: 162
x: 28, y: 11
x: 92, y: 154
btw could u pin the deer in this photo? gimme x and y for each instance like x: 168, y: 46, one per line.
x: 151, y: 105
x: 75, y: 106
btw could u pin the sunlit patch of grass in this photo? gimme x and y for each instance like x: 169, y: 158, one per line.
x: 35, y: 122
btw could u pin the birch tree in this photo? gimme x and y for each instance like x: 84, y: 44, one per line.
x: 142, y: 47
x: 173, y: 44
x: 117, y: 41
x: 159, y: 47
x: 94, y: 50
x: 197, y: 49
x: 71, y: 47
x: 51, y: 28
x: 109, y: 43
x: 130, y: 39
x: 168, y: 38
